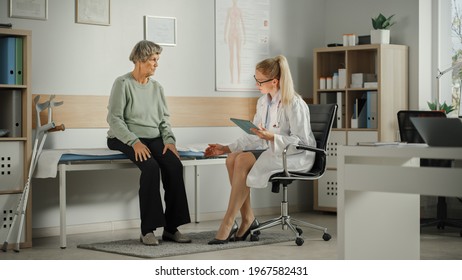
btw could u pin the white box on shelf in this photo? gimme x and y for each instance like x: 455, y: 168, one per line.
x: 370, y: 85
x: 358, y: 79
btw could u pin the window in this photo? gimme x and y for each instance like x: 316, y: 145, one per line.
x: 450, y: 53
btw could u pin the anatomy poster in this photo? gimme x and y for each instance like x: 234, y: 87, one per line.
x: 241, y: 40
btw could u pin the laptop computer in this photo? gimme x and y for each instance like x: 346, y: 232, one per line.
x: 439, y: 132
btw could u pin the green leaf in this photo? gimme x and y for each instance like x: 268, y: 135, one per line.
x: 382, y: 22
x: 444, y: 107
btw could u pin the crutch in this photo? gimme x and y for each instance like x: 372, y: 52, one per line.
x: 40, y: 137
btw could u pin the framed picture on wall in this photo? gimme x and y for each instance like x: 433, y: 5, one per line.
x: 29, y: 9
x: 160, y: 30
x: 93, y: 12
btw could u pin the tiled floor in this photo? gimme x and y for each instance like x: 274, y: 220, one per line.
x: 435, y: 245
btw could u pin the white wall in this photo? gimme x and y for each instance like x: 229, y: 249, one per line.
x: 79, y: 59
x: 354, y: 16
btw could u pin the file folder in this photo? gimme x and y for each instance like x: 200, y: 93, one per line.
x: 342, y: 82
x: 371, y: 109
x: 7, y: 60
x: 340, y: 110
x: 354, y: 116
x: 19, y: 65
x: 362, y: 112
x: 11, y: 113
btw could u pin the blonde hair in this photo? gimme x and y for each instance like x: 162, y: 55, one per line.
x: 278, y: 68
x: 143, y: 50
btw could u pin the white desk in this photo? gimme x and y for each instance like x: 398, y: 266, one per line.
x: 63, y: 168
x: 378, y: 200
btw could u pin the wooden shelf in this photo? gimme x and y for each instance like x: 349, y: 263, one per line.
x: 389, y: 63
x: 16, y: 152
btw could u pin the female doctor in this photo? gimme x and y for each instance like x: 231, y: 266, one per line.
x: 282, y: 118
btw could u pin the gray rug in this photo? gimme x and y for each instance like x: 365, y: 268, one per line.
x: 134, y: 248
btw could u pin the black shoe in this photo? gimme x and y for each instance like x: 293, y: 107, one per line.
x: 254, y: 225
x: 231, y: 234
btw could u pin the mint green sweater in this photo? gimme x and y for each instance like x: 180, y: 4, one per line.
x: 138, y: 111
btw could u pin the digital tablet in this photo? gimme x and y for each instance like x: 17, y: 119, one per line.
x: 245, y: 125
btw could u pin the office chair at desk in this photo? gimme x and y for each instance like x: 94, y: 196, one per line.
x: 409, y: 134
x: 321, y: 117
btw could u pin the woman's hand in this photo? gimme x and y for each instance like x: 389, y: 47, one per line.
x: 142, y: 152
x: 264, y: 134
x: 216, y: 150
x: 172, y: 148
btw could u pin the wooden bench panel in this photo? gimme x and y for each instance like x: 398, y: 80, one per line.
x: 90, y: 111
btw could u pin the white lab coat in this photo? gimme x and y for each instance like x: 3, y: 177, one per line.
x: 290, y: 125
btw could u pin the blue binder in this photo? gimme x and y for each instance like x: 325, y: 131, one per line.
x: 7, y: 60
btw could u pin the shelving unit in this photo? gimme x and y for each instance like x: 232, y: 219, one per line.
x: 389, y: 63
x: 15, y: 147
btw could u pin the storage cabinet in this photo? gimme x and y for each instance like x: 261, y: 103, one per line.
x: 15, y: 128
x: 370, y: 85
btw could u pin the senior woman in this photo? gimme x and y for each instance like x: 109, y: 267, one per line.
x: 139, y: 127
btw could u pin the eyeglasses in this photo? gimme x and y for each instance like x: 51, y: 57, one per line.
x: 262, y: 82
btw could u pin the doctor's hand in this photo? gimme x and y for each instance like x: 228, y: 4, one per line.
x: 264, y: 134
x: 142, y: 152
x: 172, y: 148
x: 216, y: 150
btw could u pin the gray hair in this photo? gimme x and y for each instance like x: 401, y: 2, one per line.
x: 143, y: 50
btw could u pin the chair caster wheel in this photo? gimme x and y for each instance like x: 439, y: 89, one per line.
x: 255, y: 237
x: 299, y: 230
x: 299, y: 241
x: 326, y: 236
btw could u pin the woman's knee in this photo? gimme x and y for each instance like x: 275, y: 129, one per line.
x: 230, y: 160
x: 244, y: 161
x: 148, y: 165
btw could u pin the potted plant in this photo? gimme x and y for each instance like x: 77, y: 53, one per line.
x: 442, y: 107
x: 380, y: 34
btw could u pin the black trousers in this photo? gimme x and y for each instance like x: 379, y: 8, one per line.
x: 170, y: 169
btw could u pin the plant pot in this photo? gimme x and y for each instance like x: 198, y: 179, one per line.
x: 380, y: 36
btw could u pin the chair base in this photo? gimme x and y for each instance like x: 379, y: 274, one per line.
x: 441, y: 220
x: 441, y: 223
x: 287, y: 222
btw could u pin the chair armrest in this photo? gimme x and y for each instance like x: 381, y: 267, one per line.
x: 309, y: 148
x: 298, y: 147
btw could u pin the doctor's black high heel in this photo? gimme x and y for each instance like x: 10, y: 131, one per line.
x: 232, y: 233
x: 252, y: 226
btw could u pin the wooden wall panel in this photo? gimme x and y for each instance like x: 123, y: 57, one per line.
x: 89, y: 111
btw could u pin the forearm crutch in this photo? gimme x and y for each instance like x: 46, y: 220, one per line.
x: 40, y: 137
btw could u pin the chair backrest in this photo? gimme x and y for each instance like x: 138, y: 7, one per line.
x: 322, y: 117
x: 407, y: 131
